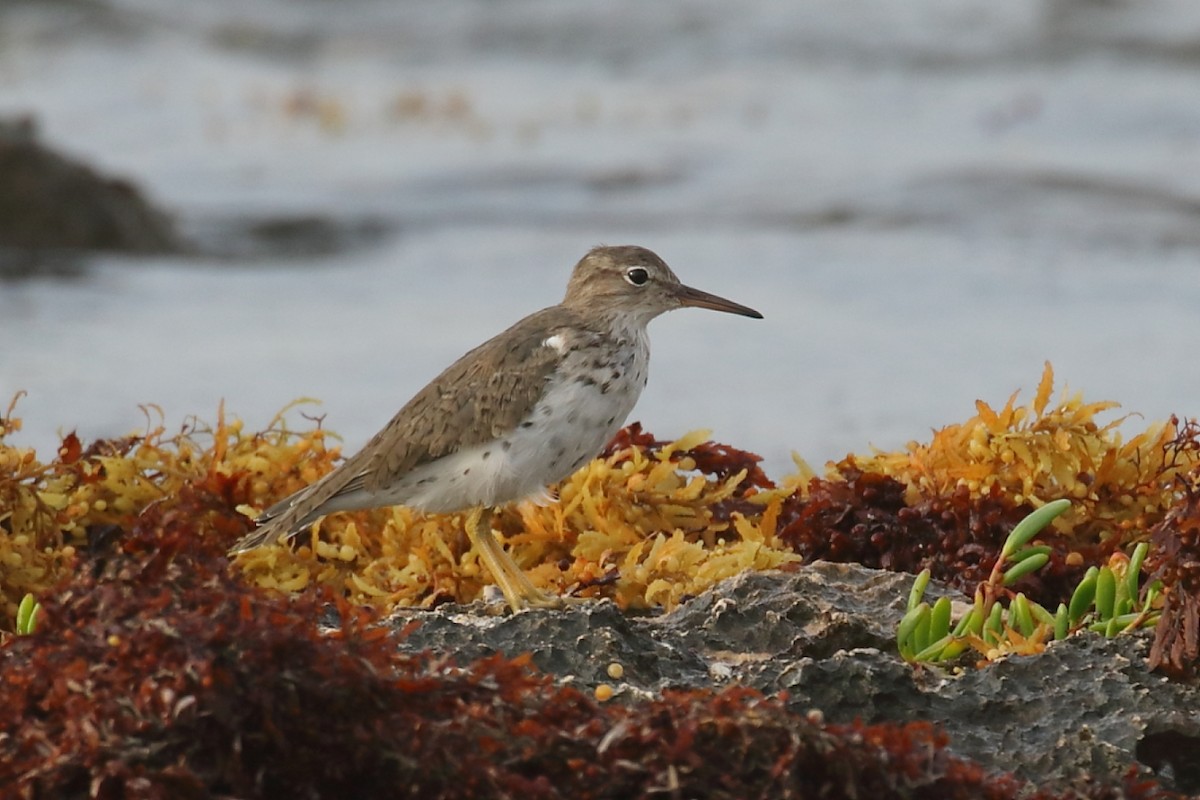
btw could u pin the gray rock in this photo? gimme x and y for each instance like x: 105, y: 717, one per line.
x: 826, y: 635
x: 49, y: 202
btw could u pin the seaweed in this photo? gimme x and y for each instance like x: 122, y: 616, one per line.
x: 647, y: 523
x: 1176, y: 562
x: 163, y: 676
x: 156, y: 670
x: 949, y: 505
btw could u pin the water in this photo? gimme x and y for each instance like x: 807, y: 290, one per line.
x: 926, y: 200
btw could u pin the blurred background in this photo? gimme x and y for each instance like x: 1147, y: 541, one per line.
x: 257, y: 201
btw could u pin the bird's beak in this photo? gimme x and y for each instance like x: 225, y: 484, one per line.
x: 694, y: 298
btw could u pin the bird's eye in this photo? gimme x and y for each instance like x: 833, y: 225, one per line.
x: 637, y: 276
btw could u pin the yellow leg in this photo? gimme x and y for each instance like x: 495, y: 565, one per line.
x: 517, y: 589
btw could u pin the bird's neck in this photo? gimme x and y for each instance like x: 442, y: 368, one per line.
x: 625, y: 326
x: 621, y: 323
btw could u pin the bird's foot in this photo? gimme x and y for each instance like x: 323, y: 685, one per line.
x: 518, y: 591
x: 554, y: 601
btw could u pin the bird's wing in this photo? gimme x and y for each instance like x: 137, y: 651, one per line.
x: 478, y: 398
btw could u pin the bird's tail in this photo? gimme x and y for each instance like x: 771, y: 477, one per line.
x: 292, y: 515
x: 266, y: 534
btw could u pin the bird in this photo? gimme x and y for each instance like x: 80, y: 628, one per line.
x: 520, y: 412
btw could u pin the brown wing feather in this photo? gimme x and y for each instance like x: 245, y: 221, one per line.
x: 475, y: 400
x: 486, y: 392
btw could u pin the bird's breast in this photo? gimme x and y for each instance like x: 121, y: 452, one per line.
x: 586, y: 402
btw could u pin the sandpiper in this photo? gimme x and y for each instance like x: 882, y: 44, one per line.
x: 523, y: 410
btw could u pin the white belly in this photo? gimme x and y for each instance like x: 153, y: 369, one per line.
x: 573, y: 422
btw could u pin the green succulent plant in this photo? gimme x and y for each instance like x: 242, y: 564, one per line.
x: 27, y: 615
x: 1104, y: 602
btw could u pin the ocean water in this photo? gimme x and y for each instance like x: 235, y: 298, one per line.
x: 926, y: 200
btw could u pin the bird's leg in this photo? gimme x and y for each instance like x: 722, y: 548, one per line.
x: 517, y: 589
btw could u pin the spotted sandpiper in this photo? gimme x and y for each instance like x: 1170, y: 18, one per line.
x: 523, y: 410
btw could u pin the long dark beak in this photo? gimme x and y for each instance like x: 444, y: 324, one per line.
x: 694, y: 298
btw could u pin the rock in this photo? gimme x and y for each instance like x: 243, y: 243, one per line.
x: 825, y: 634
x: 283, y: 236
x: 54, y: 209
x: 49, y: 202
